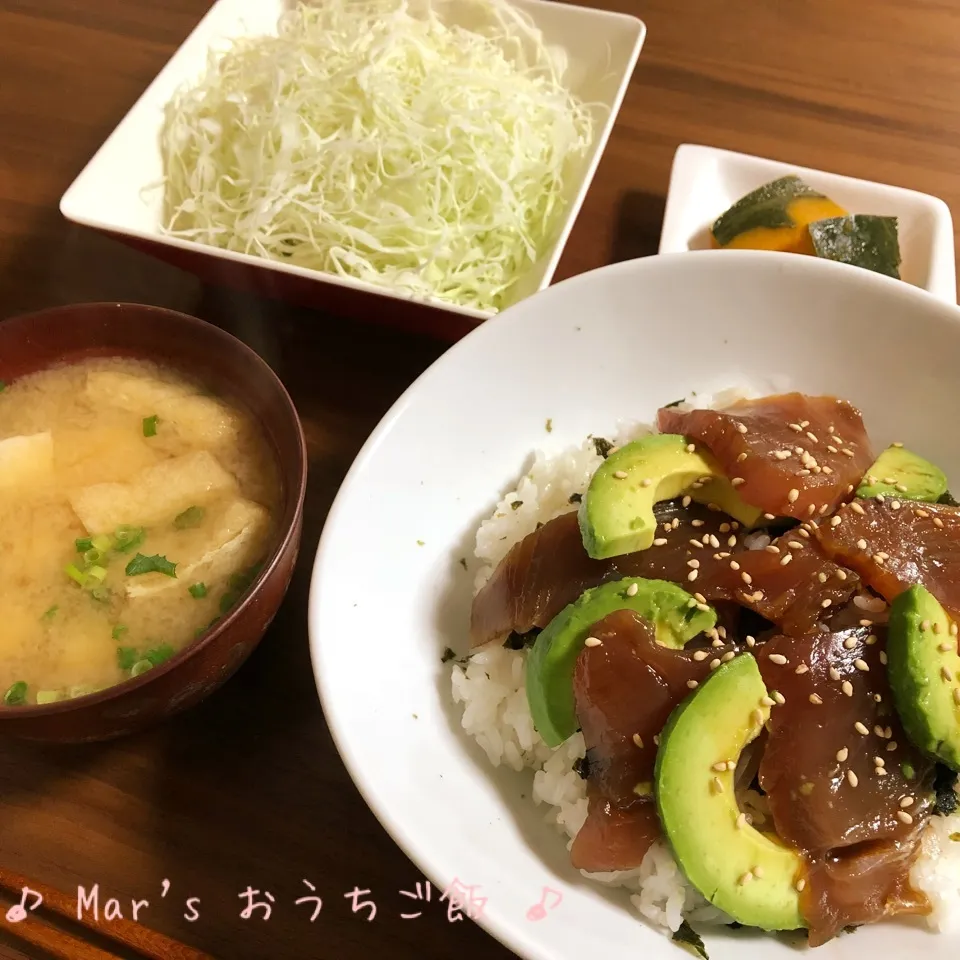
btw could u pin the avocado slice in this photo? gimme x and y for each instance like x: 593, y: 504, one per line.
x: 616, y: 514
x: 899, y: 473
x: 672, y: 611
x: 925, y: 679
x: 750, y: 875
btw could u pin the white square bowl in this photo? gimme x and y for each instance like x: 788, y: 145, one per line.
x: 111, y: 194
x: 706, y: 181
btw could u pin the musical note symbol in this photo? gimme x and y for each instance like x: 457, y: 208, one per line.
x: 539, y: 910
x: 18, y: 912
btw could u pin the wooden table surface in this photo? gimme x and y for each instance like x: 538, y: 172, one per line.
x: 247, y: 789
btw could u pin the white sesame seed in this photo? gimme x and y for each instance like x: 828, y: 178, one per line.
x: 716, y: 785
x: 758, y: 871
x: 800, y: 884
x: 895, y: 504
x: 741, y: 821
x: 782, y: 454
x: 737, y: 481
x: 691, y: 447
x: 767, y: 701
x: 856, y: 508
x: 646, y: 482
x: 924, y: 626
x: 826, y: 603
x: 906, y: 802
x: 847, y: 688
x: 695, y: 564
x: 878, y: 730
x: 840, y: 573
x: 715, y: 543
x: 900, y: 488
x: 692, y: 575
x: 696, y: 543
x: 831, y: 448
x: 750, y: 641
x: 731, y: 541
x: 956, y: 696
x: 728, y: 656
x: 746, y: 578
x: 779, y: 697
x: 946, y: 674
x: 794, y: 495
x: 802, y: 668
x: 935, y: 626
x: 620, y: 474
x: 879, y: 761
x: 638, y: 740
x: 891, y: 746
x: 842, y: 755
x: 883, y: 657
x: 741, y: 428
x: 861, y: 665
x: 716, y: 643
x: 850, y: 643
x: 772, y: 548
x: 862, y: 544
x: 741, y: 457
x: 904, y: 817
x: 860, y: 728
x: 836, y: 521
x: 834, y: 673
x: 692, y: 684
x: 592, y: 642
x: 720, y: 766
x: 815, y: 699
x: 714, y: 663
x: 744, y: 878
x: 785, y: 559
x: 937, y: 522
x: 777, y: 658
x: 822, y: 577
x: 872, y: 639
x: 632, y: 590
x: 795, y: 427
x: 847, y: 452
x: 700, y: 655
x: 812, y: 437
x: 656, y: 740
x: 866, y: 623
x: 954, y: 629
x: 852, y: 778
x: 660, y: 542
x: 811, y: 510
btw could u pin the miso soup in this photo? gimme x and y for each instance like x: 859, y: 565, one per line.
x: 135, y: 510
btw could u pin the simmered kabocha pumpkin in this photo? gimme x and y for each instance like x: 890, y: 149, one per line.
x: 864, y: 241
x: 775, y: 216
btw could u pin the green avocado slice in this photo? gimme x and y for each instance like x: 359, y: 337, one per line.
x: 924, y: 671
x: 748, y: 874
x: 550, y: 664
x: 899, y: 473
x: 616, y: 513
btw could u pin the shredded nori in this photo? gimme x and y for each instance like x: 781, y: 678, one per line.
x: 676, y: 403
x: 733, y: 925
x: 518, y: 641
x: 689, y: 939
x: 852, y: 928
x: 581, y: 767
x: 948, y: 500
x: 447, y: 655
x: 576, y: 498
x: 516, y: 505
x: 947, y: 800
x: 603, y: 447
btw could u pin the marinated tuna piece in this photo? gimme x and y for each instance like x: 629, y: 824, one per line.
x: 790, y: 455
x: 830, y: 740
x: 625, y: 688
x: 861, y: 884
x: 895, y: 543
x: 843, y: 783
x: 550, y: 568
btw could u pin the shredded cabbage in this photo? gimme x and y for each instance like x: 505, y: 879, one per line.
x: 375, y: 139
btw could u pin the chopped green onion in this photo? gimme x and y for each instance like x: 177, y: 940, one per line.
x: 150, y: 426
x: 191, y: 517
x: 101, y: 543
x: 198, y: 591
x: 75, y: 573
x: 50, y: 613
x: 16, y: 695
x: 159, y: 654
x: 3, y: 386
x: 126, y: 538
x: 93, y: 556
x: 119, y: 630
x: 126, y: 657
x: 141, y: 666
x: 155, y: 564
x: 101, y: 594
x: 50, y: 696
x: 97, y: 573
x: 237, y: 586
x: 80, y: 690
x: 83, y: 544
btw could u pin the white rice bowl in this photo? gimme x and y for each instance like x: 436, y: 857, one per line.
x: 490, y: 689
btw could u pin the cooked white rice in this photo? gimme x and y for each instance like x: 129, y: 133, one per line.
x: 491, y: 689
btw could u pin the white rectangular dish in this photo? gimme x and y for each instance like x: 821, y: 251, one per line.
x: 705, y: 181
x: 111, y: 193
